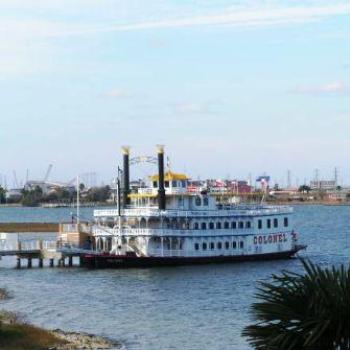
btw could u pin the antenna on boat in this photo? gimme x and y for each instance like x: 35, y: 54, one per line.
x: 78, y: 201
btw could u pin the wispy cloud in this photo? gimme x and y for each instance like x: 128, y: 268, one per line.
x: 193, y: 108
x: 233, y: 16
x: 335, y: 87
x: 246, y: 17
x: 117, y: 93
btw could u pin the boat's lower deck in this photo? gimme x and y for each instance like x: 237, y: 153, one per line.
x: 123, y: 261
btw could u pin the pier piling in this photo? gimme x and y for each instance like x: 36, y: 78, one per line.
x: 41, y: 262
x: 70, y: 261
x: 29, y: 263
x: 52, y: 262
x: 18, y: 263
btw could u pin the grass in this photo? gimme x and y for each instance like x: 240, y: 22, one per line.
x: 16, y: 335
x: 26, y: 337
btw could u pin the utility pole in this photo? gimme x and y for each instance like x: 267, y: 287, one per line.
x: 78, y: 202
x: 289, y: 179
x: 336, y: 175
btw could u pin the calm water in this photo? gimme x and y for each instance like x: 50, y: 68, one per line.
x: 187, y: 308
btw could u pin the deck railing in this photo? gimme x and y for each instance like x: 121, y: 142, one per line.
x: 152, y: 211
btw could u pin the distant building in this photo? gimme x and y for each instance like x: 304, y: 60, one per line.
x: 14, y: 194
x: 323, y: 184
x: 49, y: 187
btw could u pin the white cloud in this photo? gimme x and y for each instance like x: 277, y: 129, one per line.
x: 117, y: 93
x: 192, y: 108
x: 335, y: 87
x: 236, y: 16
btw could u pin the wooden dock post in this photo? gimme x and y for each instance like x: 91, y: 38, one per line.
x: 61, y: 262
x: 41, y: 262
x: 52, y: 262
x: 70, y: 261
x: 29, y: 263
x: 18, y: 263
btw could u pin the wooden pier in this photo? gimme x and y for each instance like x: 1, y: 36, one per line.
x: 40, y: 251
x: 59, y: 251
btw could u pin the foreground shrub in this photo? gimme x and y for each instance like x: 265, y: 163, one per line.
x: 308, y: 311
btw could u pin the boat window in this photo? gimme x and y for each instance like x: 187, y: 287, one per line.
x: 196, y: 226
x: 166, y: 184
x: 234, y: 245
x: 205, y: 201
x: 275, y: 222
x: 155, y: 184
x: 268, y: 223
x: 211, y: 225
x: 241, y: 224
x: 204, y: 246
x: 247, y: 224
x: 204, y: 226
x: 219, y: 245
x: 183, y: 183
x: 212, y: 246
x: 226, y: 224
x: 198, y: 201
x: 259, y: 224
x: 234, y: 224
x: 285, y: 222
x: 227, y: 245
x: 241, y: 244
x: 173, y: 183
x: 218, y: 225
x: 196, y: 246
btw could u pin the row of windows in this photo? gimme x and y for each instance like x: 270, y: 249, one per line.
x: 275, y: 223
x: 224, y: 225
x: 174, y: 183
x: 219, y: 245
x: 199, y: 201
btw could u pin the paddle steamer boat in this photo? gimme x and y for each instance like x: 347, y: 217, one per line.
x: 168, y: 224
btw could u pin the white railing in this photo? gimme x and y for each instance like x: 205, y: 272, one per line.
x: 104, y: 231
x: 146, y: 212
x: 98, y: 231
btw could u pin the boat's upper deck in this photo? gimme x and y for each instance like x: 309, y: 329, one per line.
x: 225, y: 211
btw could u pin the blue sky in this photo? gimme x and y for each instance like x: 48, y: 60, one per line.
x: 230, y: 87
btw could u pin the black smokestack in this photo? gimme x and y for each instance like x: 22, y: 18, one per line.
x: 161, y: 191
x: 126, y: 176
